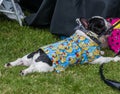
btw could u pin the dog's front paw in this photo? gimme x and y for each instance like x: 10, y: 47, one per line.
x: 7, y: 65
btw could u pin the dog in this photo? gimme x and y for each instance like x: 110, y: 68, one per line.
x: 80, y: 48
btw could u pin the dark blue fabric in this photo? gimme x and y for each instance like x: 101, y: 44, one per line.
x: 61, y: 14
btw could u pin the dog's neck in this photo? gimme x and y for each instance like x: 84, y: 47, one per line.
x: 94, y: 37
x: 82, y: 34
x: 90, y: 35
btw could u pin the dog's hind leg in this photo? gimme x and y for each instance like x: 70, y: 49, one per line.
x: 25, y: 61
x: 37, y: 67
x: 102, y: 59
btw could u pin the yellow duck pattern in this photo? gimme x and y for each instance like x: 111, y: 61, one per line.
x: 73, y: 50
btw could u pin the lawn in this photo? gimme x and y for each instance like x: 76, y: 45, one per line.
x: 16, y: 41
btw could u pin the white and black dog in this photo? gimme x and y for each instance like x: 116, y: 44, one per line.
x: 82, y: 47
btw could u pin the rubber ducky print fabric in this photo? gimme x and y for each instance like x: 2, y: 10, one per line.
x: 73, y: 50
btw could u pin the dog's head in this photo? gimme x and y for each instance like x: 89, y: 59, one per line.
x: 97, y: 25
x: 101, y: 27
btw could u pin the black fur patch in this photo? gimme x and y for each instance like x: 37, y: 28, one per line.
x: 43, y: 57
x: 32, y: 54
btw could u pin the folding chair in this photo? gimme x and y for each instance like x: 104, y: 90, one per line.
x: 12, y: 12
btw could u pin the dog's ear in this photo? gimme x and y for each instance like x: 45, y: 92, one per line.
x: 84, y: 22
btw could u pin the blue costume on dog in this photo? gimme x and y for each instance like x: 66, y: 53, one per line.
x: 73, y: 50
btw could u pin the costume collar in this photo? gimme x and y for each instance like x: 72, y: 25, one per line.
x: 93, y: 36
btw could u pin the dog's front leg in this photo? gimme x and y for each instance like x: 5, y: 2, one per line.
x: 102, y: 59
x: 37, y: 67
x: 20, y: 61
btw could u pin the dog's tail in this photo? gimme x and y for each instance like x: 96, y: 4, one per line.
x: 111, y: 83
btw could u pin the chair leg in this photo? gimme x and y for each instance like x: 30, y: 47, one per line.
x: 16, y: 13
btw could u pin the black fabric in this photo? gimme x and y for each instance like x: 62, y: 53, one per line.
x: 61, y: 14
x: 30, y: 5
x: 43, y: 15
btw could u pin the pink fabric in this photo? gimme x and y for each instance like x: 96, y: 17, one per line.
x: 114, y: 38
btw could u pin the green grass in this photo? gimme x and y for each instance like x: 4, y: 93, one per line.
x: 16, y: 41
